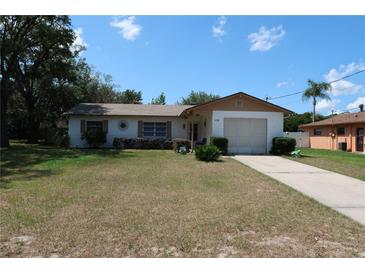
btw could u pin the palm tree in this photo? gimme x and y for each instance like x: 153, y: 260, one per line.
x: 314, y: 91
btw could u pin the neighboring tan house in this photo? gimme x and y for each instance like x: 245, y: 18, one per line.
x: 341, y: 132
x: 248, y: 122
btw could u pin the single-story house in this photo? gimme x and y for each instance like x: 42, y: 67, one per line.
x: 248, y: 122
x: 340, y: 132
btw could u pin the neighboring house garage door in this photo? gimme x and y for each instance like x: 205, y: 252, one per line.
x: 247, y: 136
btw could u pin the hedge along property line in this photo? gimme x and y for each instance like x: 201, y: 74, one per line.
x: 141, y: 143
x: 283, y: 145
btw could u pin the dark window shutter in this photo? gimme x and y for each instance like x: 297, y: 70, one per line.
x: 168, y: 130
x: 82, y: 126
x: 105, y: 126
x: 140, y: 128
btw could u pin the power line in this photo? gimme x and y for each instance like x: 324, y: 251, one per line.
x: 298, y: 92
x: 337, y: 111
x: 344, y: 111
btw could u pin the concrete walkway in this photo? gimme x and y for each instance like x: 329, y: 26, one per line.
x: 341, y: 193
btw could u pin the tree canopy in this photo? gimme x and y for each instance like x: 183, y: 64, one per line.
x: 160, y: 100
x: 36, y: 62
x: 198, y: 97
x: 130, y: 96
x: 43, y: 76
x: 292, y: 121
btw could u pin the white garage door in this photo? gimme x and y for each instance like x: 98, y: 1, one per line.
x: 246, y: 136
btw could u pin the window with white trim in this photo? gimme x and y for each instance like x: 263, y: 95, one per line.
x: 154, y: 129
x: 94, y: 125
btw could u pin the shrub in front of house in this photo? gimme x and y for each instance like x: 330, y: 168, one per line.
x: 141, y: 143
x: 178, y: 142
x: 283, y: 145
x: 221, y: 143
x: 207, y: 153
x: 118, y: 143
x: 63, y: 138
x: 94, y: 138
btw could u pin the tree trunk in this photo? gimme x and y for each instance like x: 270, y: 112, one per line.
x: 4, y: 138
x: 33, y: 128
x: 314, y: 109
x: 4, y: 142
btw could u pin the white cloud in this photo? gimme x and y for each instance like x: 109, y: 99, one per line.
x: 218, y: 28
x: 265, y: 39
x: 281, y: 84
x: 79, y: 42
x: 360, y: 100
x: 127, y: 27
x: 327, y: 105
x: 344, y: 87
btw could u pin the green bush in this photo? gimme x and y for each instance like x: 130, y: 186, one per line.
x: 283, y: 145
x: 178, y: 142
x: 95, y: 138
x: 141, y: 143
x: 221, y: 143
x: 207, y: 153
x: 63, y: 138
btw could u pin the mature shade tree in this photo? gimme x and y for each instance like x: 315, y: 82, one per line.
x: 43, y: 72
x: 160, y: 100
x: 42, y: 75
x: 292, y: 121
x: 37, y: 59
x: 198, y: 97
x: 84, y: 85
x: 314, y: 91
x: 16, y: 38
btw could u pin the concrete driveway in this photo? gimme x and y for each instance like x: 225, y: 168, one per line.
x: 342, y: 193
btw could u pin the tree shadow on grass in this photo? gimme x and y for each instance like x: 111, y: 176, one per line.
x: 24, y: 175
x: 18, y: 162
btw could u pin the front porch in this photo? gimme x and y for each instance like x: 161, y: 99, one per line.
x: 199, y: 127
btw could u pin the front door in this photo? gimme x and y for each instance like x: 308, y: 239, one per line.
x: 195, y: 132
x: 360, y: 139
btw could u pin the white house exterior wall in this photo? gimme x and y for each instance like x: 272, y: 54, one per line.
x: 114, y: 130
x: 275, y: 122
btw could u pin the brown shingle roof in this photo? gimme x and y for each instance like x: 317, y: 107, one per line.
x: 344, y: 118
x: 127, y: 109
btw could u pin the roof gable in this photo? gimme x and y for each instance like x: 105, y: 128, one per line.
x: 239, y: 102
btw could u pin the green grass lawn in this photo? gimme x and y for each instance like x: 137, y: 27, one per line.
x: 141, y: 203
x: 347, y: 163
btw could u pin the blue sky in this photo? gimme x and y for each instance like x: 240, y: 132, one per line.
x: 260, y: 55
